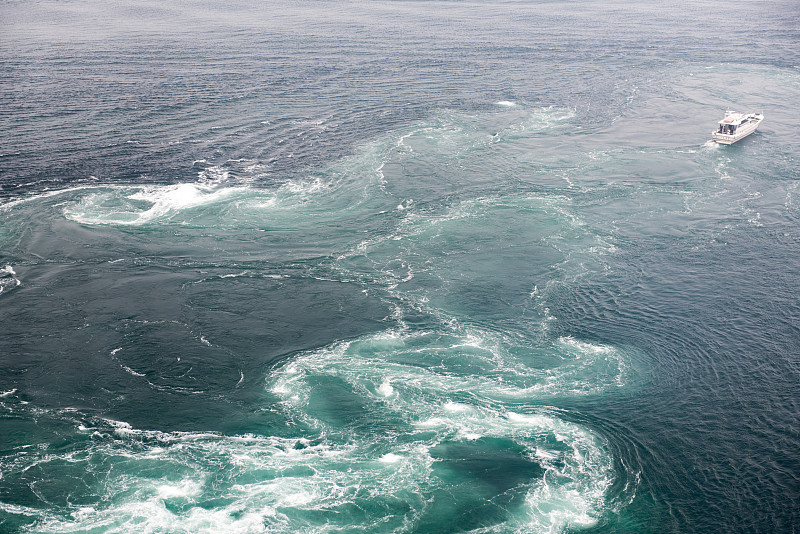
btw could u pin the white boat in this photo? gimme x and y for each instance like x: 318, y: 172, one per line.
x: 736, y: 126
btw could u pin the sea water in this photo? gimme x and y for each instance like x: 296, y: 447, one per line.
x: 398, y: 267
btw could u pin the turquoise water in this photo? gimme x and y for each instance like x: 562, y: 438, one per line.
x: 397, y: 267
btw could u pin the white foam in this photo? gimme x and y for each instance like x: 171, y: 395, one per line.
x: 131, y: 371
x: 184, y: 489
x: 584, y: 347
x: 235, y: 275
x: 8, y: 278
x: 455, y: 407
x: 178, y: 197
x: 529, y: 420
x: 121, y: 427
x: 506, y: 103
x: 386, y: 388
x: 213, y: 174
x: 83, y: 512
x: 390, y: 458
x: 304, y: 187
x: 145, y: 204
x: 20, y: 510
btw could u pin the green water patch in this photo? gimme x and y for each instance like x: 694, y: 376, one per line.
x: 487, y: 479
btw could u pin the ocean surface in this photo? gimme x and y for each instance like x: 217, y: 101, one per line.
x: 398, y: 267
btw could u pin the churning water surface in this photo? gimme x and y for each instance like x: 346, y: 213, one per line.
x: 398, y: 267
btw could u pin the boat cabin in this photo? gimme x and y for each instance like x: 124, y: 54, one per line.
x: 733, y: 120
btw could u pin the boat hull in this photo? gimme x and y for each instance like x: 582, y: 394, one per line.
x: 725, y: 139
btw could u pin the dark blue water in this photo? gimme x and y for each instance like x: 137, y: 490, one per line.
x: 398, y: 267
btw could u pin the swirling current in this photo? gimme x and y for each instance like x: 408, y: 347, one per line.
x: 397, y: 267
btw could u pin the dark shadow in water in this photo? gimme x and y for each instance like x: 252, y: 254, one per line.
x: 485, y: 479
